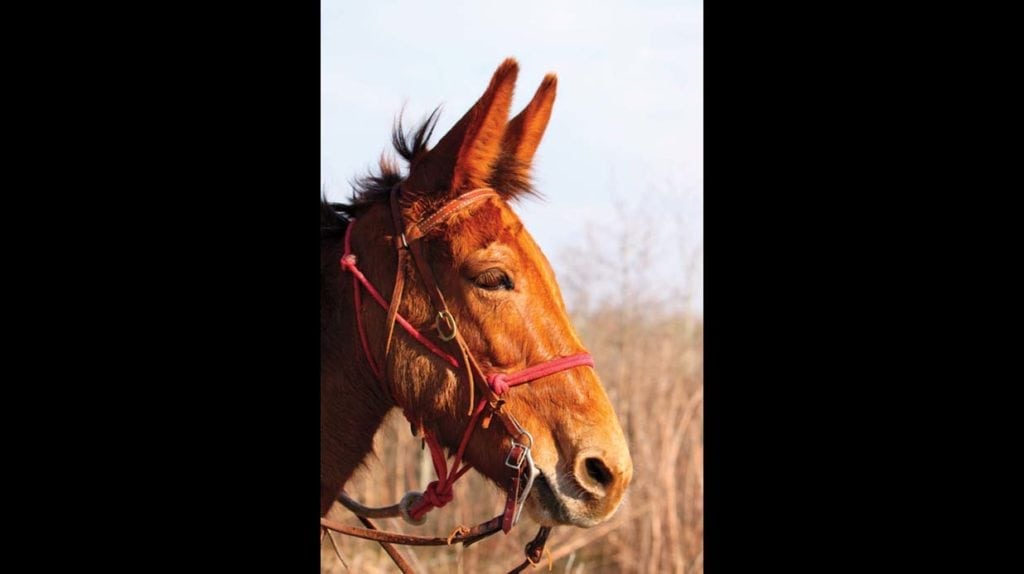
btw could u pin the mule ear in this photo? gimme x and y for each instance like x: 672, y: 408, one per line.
x: 466, y: 155
x: 525, y: 131
x: 522, y: 137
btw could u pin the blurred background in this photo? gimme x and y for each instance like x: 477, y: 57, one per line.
x: 621, y: 220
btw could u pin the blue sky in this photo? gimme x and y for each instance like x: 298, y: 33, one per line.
x: 626, y: 134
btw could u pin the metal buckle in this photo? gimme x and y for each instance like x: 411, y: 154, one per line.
x: 525, y: 448
x: 449, y: 322
x: 531, y: 473
x: 524, y: 456
x: 519, y: 460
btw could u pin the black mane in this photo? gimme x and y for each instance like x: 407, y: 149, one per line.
x: 333, y: 220
x: 374, y: 188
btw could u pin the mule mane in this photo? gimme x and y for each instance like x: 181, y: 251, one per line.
x: 509, y: 176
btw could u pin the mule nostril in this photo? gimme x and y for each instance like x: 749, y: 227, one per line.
x: 598, y: 471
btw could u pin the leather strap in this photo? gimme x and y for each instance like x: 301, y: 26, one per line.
x: 438, y: 493
x: 415, y: 231
x: 396, y: 293
x: 415, y: 249
x: 512, y: 500
x: 464, y: 536
x: 534, y: 550
x: 393, y: 552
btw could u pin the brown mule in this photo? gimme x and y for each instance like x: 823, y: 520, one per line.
x: 476, y: 267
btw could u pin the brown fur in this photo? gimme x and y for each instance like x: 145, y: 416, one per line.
x: 526, y: 129
x: 568, y: 414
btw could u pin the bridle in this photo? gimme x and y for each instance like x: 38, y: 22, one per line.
x: 491, y: 386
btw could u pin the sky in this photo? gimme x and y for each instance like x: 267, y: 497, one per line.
x: 626, y: 135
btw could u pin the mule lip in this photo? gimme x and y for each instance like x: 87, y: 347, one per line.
x: 550, y: 504
x: 547, y: 500
x: 551, y: 507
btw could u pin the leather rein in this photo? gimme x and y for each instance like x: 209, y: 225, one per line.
x: 414, y: 506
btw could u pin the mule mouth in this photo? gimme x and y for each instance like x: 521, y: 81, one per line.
x: 550, y: 505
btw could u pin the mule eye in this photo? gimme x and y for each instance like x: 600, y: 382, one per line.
x: 494, y: 279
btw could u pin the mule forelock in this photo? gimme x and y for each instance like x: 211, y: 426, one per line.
x: 510, y: 175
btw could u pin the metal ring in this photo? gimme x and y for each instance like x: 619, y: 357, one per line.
x: 522, y: 431
x: 449, y: 323
x: 531, y: 472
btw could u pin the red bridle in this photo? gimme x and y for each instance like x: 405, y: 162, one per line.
x: 438, y: 493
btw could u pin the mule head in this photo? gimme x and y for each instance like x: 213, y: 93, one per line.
x: 508, y: 308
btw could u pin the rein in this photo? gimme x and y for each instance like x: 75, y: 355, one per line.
x: 414, y: 506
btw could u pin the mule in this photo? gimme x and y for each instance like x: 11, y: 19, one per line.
x: 502, y: 313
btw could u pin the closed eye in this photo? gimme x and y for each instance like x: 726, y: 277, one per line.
x: 493, y: 280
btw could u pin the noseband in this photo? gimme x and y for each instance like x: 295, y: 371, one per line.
x: 492, y: 386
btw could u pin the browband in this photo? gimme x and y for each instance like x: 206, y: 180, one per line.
x: 416, y: 231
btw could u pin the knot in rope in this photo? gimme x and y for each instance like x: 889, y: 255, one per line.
x: 432, y: 497
x: 498, y: 383
x: 348, y: 262
x: 437, y: 498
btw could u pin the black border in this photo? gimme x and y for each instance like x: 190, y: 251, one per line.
x: 185, y: 145
x: 183, y: 230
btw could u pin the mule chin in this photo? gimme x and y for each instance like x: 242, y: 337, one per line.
x: 561, y: 501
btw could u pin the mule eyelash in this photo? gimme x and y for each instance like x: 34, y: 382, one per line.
x: 494, y: 280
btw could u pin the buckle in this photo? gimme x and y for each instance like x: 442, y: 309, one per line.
x: 524, y: 491
x: 519, y: 451
x: 449, y: 324
x: 522, y: 450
